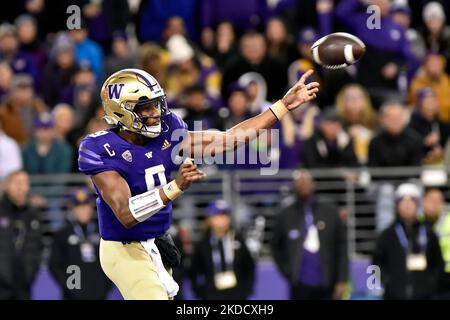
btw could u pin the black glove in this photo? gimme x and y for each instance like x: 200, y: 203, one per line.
x: 170, y: 255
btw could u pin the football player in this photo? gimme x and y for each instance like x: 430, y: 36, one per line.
x: 130, y: 167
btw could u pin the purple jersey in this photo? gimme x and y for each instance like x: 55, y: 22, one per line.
x: 143, y: 167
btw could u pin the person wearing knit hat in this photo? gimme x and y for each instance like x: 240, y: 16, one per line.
x: 433, y: 10
x: 179, y: 48
x: 436, y: 32
x: 408, y: 251
x: 408, y: 190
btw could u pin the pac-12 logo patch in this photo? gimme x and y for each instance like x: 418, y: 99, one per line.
x: 114, y: 90
x: 127, y: 156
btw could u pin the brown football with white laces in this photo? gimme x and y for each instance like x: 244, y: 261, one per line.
x: 337, y: 50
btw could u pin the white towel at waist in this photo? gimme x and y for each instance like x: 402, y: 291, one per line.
x: 166, y: 279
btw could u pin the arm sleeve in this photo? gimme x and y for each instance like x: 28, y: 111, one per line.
x: 92, y: 159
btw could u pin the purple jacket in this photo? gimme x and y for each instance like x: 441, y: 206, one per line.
x: 390, y: 37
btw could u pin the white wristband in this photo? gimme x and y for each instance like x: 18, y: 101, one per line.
x: 145, y: 205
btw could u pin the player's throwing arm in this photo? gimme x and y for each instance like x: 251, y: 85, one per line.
x: 132, y: 210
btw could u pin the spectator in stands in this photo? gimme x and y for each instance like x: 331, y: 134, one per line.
x: 436, y: 33
x: 20, y: 238
x: 256, y: 90
x: 87, y: 106
x: 401, y: 14
x: 226, y: 45
x: 20, y: 108
x: 46, y: 154
x: 200, y: 114
x: 330, y: 146
x: 6, y: 75
x: 289, y: 146
x: 103, y: 18
x: 20, y: 62
x: 439, y: 219
x: 433, y: 75
x: 187, y: 69
x: 238, y: 104
x: 60, y: 70
x: 358, y: 118
x: 309, y: 244
x: 77, y: 243
x: 174, y: 26
x: 83, y: 79
x: 408, y: 252
x: 306, y: 38
x: 88, y: 50
x: 27, y: 33
x: 425, y: 122
x: 121, y: 56
x: 253, y: 57
x: 280, y: 45
x: 222, y: 267
x: 10, y: 155
x: 395, y: 145
x: 154, y: 60
x: 388, y: 48
x: 64, y: 122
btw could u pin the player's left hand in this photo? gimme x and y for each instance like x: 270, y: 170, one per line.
x: 301, y: 93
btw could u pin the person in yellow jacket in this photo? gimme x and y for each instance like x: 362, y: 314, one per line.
x: 433, y: 75
x: 434, y: 213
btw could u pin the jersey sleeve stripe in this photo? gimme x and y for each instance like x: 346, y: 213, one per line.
x: 89, y: 153
x: 89, y: 156
x: 84, y: 159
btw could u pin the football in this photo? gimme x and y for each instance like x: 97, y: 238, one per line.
x: 337, y: 50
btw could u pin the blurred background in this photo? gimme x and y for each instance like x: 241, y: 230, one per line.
x: 363, y: 176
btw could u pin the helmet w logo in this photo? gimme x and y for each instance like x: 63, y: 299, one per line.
x: 114, y: 90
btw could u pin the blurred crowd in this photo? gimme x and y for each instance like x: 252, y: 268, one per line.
x: 219, y: 66
x: 221, y: 62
